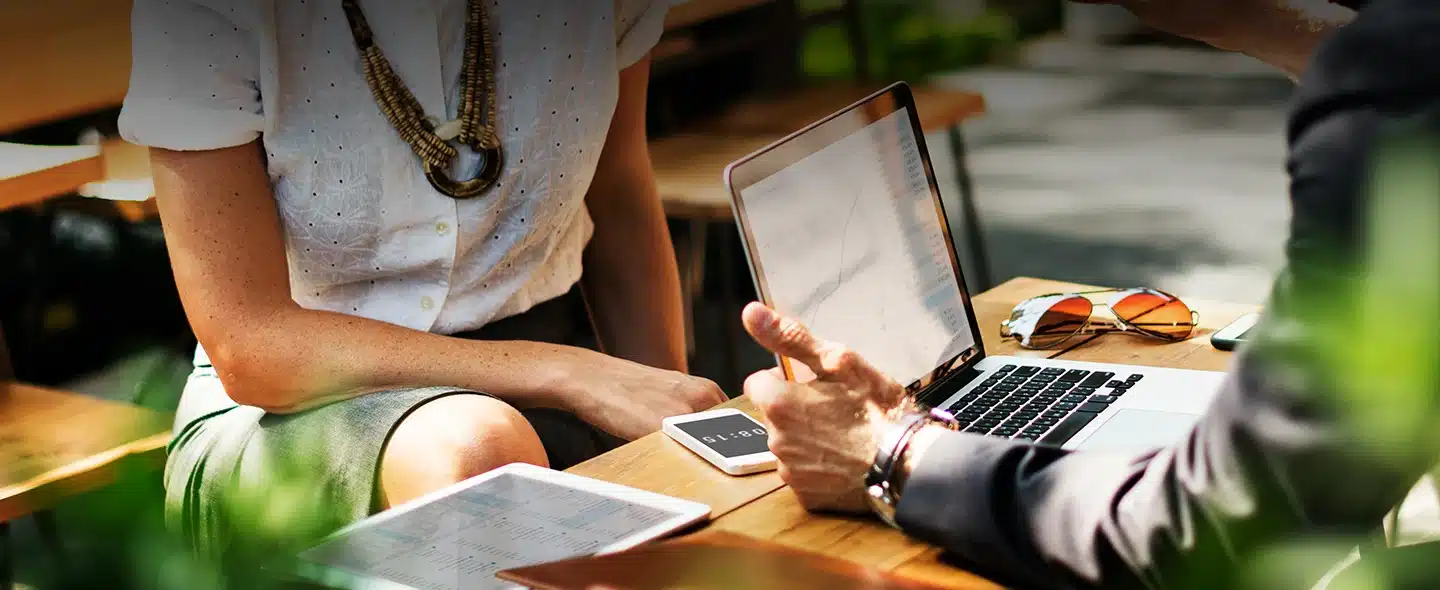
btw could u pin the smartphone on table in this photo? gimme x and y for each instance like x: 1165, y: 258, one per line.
x: 728, y: 438
x: 1233, y: 335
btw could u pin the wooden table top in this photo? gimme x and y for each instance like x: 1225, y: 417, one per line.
x: 760, y: 506
x: 55, y: 444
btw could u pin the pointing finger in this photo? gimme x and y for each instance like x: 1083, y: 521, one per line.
x: 783, y: 335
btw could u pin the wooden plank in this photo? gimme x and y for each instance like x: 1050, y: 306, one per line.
x: 779, y: 517
x: 939, y: 109
x: 689, y: 172
x: 127, y: 183
x: 929, y: 567
x: 77, y: 59
x: 30, y: 173
x: 55, y: 444
x: 689, y: 166
x: 658, y: 464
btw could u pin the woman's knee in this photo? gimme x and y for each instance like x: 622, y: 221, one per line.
x: 451, y: 439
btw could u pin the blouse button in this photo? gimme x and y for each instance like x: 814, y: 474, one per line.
x: 426, y: 302
x: 442, y: 228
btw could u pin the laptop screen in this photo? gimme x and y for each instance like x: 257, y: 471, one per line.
x: 846, y: 233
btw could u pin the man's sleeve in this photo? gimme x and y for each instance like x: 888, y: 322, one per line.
x: 1282, y: 454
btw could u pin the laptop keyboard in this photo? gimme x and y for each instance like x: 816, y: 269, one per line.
x: 1046, y: 405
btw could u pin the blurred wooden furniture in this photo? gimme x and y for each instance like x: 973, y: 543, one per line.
x: 30, y: 174
x: 64, y: 58
x: 114, y: 171
x: 56, y: 445
x: 761, y: 506
x: 126, y: 183
x: 688, y: 163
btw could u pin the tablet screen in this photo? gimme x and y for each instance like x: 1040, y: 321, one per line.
x: 462, y: 539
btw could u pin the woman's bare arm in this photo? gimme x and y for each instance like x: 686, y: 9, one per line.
x: 630, y: 271
x: 227, y: 250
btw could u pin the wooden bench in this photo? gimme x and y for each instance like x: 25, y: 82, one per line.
x: 30, y: 174
x: 56, y: 445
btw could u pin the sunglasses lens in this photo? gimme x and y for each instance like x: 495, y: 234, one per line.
x: 1057, y: 321
x: 1155, y: 313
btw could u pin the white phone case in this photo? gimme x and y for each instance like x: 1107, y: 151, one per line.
x: 741, y: 465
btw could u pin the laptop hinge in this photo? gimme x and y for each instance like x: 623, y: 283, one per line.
x: 948, y: 385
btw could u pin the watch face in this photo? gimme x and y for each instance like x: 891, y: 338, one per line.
x: 732, y: 435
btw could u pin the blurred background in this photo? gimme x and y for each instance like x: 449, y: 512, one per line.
x: 1071, y: 144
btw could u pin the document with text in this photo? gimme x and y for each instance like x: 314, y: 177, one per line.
x: 462, y: 540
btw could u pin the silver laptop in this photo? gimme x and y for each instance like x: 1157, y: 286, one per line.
x: 844, y: 229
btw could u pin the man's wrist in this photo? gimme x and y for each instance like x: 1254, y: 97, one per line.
x: 911, y: 456
x: 884, y: 482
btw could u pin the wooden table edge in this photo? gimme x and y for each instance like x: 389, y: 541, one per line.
x: 35, y: 186
x: 94, y: 472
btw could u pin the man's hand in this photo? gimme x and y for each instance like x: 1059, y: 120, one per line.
x: 1282, y: 33
x: 824, y: 431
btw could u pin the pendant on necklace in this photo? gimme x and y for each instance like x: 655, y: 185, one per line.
x: 474, y: 187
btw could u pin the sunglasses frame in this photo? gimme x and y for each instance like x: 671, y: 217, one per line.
x: 1097, y: 326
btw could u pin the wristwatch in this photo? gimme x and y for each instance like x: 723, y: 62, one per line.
x: 880, y: 480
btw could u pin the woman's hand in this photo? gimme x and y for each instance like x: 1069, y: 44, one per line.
x: 628, y: 399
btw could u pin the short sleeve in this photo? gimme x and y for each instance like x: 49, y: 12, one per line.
x: 638, y: 27
x: 194, y: 81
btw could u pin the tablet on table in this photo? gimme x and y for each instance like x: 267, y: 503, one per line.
x: 517, y: 515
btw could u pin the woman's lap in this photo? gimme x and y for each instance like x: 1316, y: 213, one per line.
x: 241, y: 470
x: 327, y: 460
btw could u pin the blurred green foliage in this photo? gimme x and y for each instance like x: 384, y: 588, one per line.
x: 908, y: 41
x: 118, y: 539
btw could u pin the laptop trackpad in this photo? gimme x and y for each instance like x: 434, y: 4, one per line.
x: 1130, y: 430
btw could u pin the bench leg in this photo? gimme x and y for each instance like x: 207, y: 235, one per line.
x: 7, y: 573
x: 49, y: 531
x: 973, y: 238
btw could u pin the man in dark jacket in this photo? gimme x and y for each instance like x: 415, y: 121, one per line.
x: 1328, y: 418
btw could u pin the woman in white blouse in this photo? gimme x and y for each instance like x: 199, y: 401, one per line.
x: 347, y: 310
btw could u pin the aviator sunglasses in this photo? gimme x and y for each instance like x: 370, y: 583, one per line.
x: 1049, y: 320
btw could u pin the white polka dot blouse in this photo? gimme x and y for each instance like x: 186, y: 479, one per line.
x: 365, y: 232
